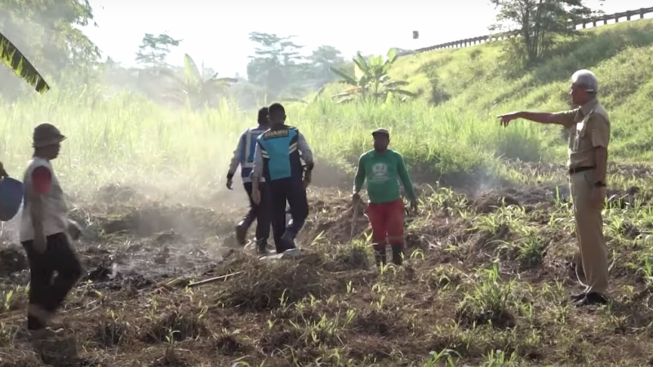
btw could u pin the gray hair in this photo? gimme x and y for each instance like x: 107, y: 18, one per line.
x: 587, y: 79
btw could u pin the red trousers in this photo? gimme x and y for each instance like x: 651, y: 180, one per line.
x: 387, y: 221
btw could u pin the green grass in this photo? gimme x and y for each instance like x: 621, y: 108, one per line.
x: 481, y: 80
x: 117, y: 138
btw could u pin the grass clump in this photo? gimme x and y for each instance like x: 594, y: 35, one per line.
x: 266, y: 286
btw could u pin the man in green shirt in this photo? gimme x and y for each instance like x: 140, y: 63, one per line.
x: 383, y: 167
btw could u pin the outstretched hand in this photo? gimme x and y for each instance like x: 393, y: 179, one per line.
x: 230, y: 183
x: 506, y: 118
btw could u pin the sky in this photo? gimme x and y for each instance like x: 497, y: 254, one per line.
x: 216, y: 32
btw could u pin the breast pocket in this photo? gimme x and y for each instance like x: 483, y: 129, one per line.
x: 580, y: 132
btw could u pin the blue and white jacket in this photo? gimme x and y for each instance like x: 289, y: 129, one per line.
x: 244, y: 153
x: 279, y: 154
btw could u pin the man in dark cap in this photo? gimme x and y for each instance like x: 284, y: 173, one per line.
x: 45, y: 230
x: 244, y: 157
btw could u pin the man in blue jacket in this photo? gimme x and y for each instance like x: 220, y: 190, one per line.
x: 244, y: 157
x: 277, y: 159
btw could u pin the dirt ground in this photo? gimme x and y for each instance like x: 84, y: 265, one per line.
x: 331, y: 307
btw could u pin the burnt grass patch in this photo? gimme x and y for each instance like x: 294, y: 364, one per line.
x: 269, y: 285
x: 486, y: 276
x: 174, y: 358
x: 111, y: 333
x: 381, y: 323
x: 232, y: 345
x: 176, y: 325
x: 12, y: 260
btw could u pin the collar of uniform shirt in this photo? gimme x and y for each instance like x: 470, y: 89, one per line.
x: 588, y: 106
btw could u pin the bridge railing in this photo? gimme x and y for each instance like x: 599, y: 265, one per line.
x: 639, y: 14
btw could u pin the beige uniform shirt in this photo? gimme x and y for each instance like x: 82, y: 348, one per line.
x: 589, y: 127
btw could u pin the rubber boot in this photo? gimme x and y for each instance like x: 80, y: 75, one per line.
x: 241, y: 233
x: 397, y: 254
x: 379, y: 255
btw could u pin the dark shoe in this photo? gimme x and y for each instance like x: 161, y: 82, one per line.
x: 397, y: 254
x: 46, y: 333
x: 262, y: 247
x: 592, y: 298
x: 291, y: 253
x: 37, y: 317
x: 241, y: 234
x: 35, y: 323
x: 379, y: 255
x: 288, y: 240
x: 578, y: 296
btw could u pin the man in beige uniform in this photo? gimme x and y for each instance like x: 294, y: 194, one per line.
x: 589, y: 128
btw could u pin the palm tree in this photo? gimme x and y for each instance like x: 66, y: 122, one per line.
x: 371, y: 81
x: 16, y: 61
x: 198, y: 87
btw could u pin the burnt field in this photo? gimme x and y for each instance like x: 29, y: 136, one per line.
x: 486, y: 282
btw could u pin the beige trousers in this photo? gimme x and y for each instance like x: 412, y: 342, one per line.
x: 589, y: 231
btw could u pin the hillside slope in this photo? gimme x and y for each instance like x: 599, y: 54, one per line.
x: 482, y: 80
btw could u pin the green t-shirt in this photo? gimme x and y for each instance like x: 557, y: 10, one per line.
x: 383, y: 171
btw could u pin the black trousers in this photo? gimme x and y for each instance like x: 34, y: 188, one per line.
x: 260, y: 212
x: 45, y: 291
x: 290, y: 190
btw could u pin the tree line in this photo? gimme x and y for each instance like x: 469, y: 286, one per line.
x: 48, y: 31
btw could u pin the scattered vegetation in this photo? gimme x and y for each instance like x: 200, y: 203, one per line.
x: 486, y: 282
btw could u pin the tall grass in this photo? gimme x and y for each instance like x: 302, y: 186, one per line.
x: 122, y: 138
x: 126, y: 138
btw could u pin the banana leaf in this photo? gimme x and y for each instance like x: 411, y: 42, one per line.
x: 16, y: 61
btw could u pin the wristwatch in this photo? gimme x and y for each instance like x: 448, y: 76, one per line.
x: 599, y: 184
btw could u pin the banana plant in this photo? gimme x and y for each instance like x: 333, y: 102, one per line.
x: 16, y: 61
x: 196, y: 86
x: 371, y: 81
